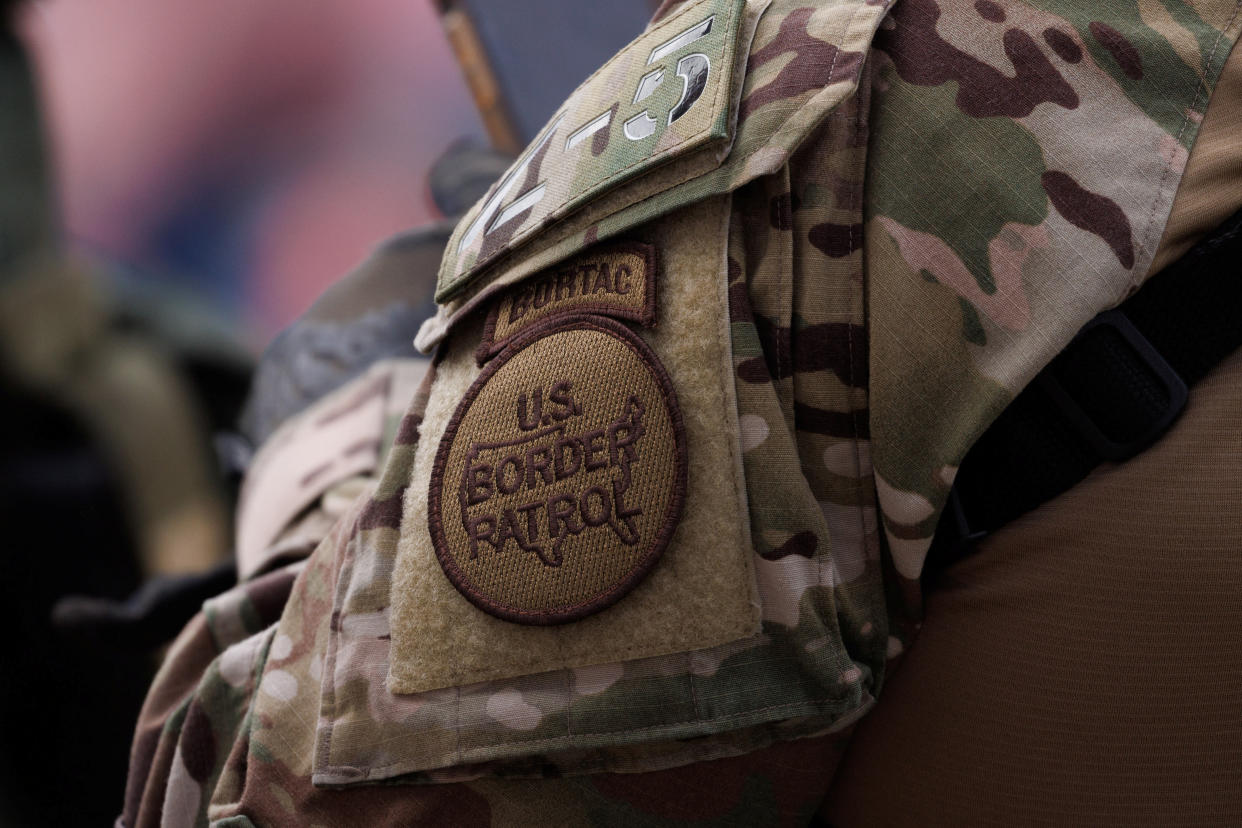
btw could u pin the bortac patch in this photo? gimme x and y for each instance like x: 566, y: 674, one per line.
x: 617, y: 280
x: 562, y: 474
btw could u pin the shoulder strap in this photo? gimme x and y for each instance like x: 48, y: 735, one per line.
x: 1116, y: 389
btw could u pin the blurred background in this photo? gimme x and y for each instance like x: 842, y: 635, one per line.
x: 179, y: 182
x: 246, y: 153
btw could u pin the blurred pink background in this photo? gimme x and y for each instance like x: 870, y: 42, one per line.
x: 249, y: 152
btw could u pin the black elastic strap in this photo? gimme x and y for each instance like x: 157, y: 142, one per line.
x: 150, y: 617
x: 1112, y: 392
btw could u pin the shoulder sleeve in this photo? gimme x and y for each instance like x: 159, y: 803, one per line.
x: 614, y: 542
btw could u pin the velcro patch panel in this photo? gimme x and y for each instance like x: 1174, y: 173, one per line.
x: 561, y: 512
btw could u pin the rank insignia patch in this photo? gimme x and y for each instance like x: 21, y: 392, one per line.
x: 617, y: 279
x: 667, y: 96
x: 562, y: 474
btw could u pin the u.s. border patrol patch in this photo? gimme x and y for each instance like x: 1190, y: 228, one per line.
x: 562, y: 474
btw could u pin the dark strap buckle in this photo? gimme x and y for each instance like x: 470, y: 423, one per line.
x: 1144, y: 355
x: 955, y: 535
x: 1125, y: 356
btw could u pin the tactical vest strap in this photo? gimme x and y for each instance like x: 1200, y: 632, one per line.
x: 1115, y: 390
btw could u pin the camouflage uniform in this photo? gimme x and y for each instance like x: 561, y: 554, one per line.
x: 905, y: 212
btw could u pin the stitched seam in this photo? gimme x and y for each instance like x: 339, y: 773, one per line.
x: 250, y: 710
x: 735, y: 462
x: 569, y: 699
x: 807, y: 705
x: 457, y: 748
x: 860, y: 486
x: 1194, y: 106
x: 328, y: 680
x: 848, y: 30
x: 692, y: 681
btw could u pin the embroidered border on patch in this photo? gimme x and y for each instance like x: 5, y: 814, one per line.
x: 560, y: 292
x: 564, y: 509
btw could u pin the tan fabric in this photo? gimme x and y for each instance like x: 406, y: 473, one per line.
x: 1085, y: 667
x: 699, y: 595
x: 1211, y: 188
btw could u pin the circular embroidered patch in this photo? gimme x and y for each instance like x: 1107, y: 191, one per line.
x: 562, y: 474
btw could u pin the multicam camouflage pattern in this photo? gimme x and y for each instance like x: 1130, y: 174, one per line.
x: 340, y: 437
x: 911, y: 240
x: 1006, y: 210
